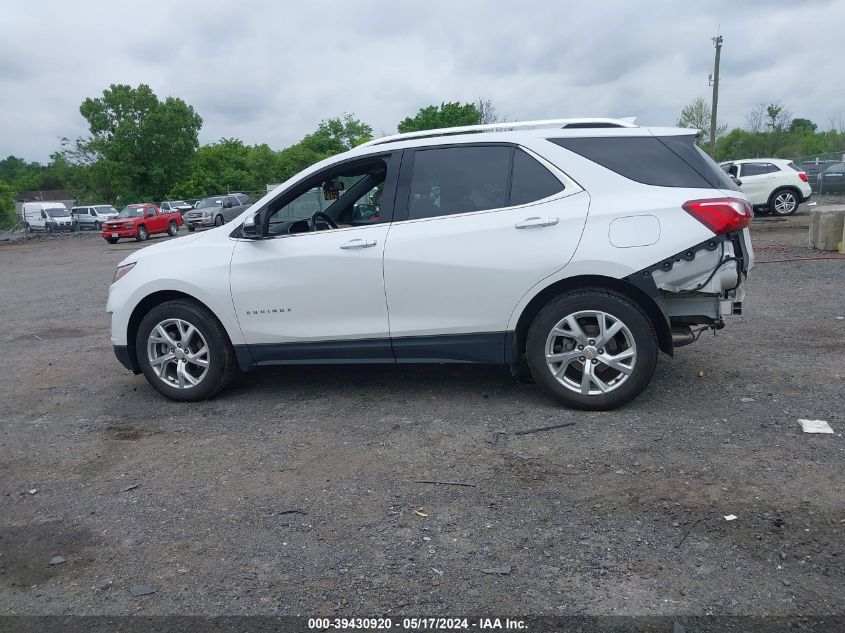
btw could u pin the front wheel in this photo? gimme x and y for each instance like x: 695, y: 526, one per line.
x: 218, y: 221
x: 784, y: 202
x: 97, y: 225
x: 143, y: 234
x: 172, y: 229
x: 184, y: 351
x: 191, y: 229
x: 592, y: 349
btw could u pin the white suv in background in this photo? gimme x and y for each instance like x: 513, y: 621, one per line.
x: 94, y: 216
x: 575, y: 249
x: 775, y: 185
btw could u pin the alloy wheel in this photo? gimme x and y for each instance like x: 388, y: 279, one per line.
x: 785, y: 203
x: 591, y: 352
x: 178, y: 353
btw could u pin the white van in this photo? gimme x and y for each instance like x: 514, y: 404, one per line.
x: 46, y: 216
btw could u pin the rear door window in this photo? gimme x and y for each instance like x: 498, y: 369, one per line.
x: 453, y: 180
x: 754, y: 169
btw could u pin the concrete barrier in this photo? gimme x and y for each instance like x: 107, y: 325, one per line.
x: 826, y: 229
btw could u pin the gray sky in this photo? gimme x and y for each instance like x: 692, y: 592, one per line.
x: 269, y: 72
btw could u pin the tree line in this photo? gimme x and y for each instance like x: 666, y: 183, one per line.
x: 769, y: 131
x: 143, y: 148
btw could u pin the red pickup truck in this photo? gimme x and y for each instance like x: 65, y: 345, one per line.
x: 139, y: 221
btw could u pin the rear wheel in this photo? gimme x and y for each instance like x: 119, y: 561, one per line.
x: 184, y: 351
x: 592, y: 349
x: 784, y: 202
x: 143, y: 234
x: 172, y: 229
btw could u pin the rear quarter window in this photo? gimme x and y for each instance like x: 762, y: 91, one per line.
x: 531, y: 181
x: 665, y: 161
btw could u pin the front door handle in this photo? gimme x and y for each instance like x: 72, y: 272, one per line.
x: 530, y: 223
x: 358, y: 243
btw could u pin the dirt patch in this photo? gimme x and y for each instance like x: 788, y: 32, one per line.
x: 28, y: 549
x: 127, y: 433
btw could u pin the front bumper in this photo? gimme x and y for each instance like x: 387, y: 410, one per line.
x: 197, y: 222
x: 107, y: 234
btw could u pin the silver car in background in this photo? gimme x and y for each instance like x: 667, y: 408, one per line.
x: 216, y: 211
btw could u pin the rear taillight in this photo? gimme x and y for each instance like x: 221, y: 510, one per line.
x: 721, y: 215
x: 802, y: 176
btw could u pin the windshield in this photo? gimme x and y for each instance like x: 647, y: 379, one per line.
x: 132, y: 212
x: 104, y: 209
x: 178, y: 203
x: 58, y: 212
x: 209, y: 202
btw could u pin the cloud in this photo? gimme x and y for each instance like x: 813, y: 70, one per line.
x: 269, y: 72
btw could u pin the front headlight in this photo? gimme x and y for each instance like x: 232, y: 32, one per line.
x: 122, y: 270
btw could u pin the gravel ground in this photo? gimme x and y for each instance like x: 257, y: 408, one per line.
x: 296, y: 491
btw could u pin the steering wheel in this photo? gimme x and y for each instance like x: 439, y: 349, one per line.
x: 320, y: 215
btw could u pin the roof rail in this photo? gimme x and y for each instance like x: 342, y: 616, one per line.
x: 506, y: 126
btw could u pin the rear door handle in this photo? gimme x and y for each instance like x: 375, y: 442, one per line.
x: 358, y: 243
x: 530, y: 223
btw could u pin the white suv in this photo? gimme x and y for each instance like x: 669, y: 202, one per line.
x: 771, y: 184
x: 575, y: 249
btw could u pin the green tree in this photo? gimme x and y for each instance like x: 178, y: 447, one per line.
x: 7, y: 206
x: 446, y: 115
x: 139, y: 146
x: 337, y: 135
x: 697, y: 116
x: 802, y: 125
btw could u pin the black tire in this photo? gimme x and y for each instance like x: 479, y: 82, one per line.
x: 191, y: 229
x: 111, y: 240
x: 787, y: 200
x: 75, y: 227
x: 617, y: 306
x: 28, y: 228
x: 221, y: 355
x: 143, y: 234
x: 172, y: 229
x: 218, y: 221
x: 50, y: 228
x: 97, y: 225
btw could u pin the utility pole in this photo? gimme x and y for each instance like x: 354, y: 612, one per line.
x: 714, y: 81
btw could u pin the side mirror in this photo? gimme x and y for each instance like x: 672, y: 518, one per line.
x: 253, y: 227
x: 736, y: 180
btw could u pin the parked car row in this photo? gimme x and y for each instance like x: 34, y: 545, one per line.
x: 136, y: 221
